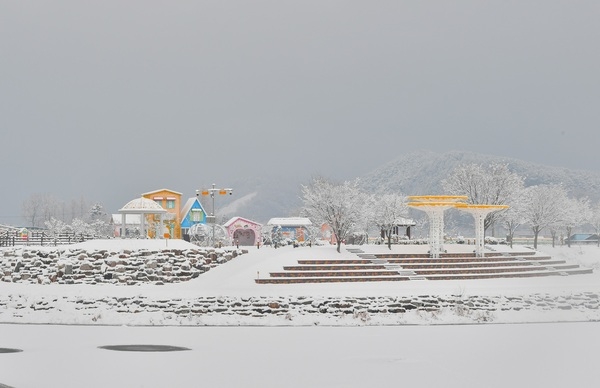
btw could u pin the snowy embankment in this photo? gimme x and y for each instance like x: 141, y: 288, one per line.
x: 193, y: 291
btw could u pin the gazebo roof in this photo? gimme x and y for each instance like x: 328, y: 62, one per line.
x: 142, y: 205
x: 437, y: 198
x: 480, y: 207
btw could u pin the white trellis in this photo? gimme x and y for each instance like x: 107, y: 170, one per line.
x: 434, y: 206
x: 479, y: 212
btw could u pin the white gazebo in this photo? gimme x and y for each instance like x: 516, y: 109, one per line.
x: 143, y: 207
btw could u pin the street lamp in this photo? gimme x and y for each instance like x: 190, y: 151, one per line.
x: 212, y: 219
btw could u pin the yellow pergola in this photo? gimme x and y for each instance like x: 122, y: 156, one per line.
x: 435, y: 205
x: 479, y: 212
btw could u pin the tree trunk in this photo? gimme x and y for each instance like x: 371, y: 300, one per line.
x: 535, y: 238
x: 389, y: 237
x: 338, y: 242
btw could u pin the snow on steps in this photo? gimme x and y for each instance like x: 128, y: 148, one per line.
x: 405, y: 267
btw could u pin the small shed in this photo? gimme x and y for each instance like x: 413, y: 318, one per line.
x: 294, y: 228
x: 583, y: 238
x: 401, y: 223
x: 244, y: 232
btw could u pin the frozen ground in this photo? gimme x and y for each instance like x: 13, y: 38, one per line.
x: 556, y: 348
x: 453, y: 356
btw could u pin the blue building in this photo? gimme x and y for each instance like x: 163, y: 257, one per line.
x: 192, y: 213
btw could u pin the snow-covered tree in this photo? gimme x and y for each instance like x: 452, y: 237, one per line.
x: 554, y: 228
x: 387, y: 211
x: 277, y: 236
x: 80, y: 226
x: 97, y: 212
x: 56, y: 226
x: 577, y: 213
x: 314, y: 233
x: 595, y: 221
x: 543, y: 207
x: 513, y: 217
x: 36, y: 209
x: 494, y: 184
x: 338, y: 205
x: 100, y: 228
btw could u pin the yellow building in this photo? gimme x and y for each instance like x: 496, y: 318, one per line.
x: 170, y: 201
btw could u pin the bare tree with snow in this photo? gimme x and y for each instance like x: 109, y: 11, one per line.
x: 388, y: 209
x: 595, y: 221
x: 31, y: 209
x: 338, y: 205
x: 39, y: 208
x: 494, y: 184
x: 577, y: 213
x: 513, y: 217
x: 544, y: 207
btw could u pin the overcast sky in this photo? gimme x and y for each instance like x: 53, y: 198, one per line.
x: 110, y: 99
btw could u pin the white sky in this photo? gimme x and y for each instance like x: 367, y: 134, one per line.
x: 109, y: 99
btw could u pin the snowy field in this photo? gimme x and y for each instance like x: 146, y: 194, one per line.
x: 451, y: 356
x: 527, y: 347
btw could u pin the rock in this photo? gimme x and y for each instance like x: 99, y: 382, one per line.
x: 86, y: 266
x: 186, y: 266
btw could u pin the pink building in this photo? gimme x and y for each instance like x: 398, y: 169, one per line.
x: 243, y: 232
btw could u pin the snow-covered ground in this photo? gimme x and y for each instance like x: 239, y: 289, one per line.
x: 558, y: 347
x: 453, y: 356
x: 236, y: 279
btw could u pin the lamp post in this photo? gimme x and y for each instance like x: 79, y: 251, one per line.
x: 212, y: 191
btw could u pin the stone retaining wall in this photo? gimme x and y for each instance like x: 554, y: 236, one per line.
x: 37, y: 266
x: 227, y: 310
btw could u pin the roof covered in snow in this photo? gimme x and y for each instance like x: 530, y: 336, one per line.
x: 289, y: 221
x: 245, y: 220
x: 142, y: 205
x: 162, y: 190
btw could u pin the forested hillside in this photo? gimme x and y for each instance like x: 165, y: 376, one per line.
x: 421, y: 173
x: 415, y: 173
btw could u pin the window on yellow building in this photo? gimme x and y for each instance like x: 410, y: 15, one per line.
x: 170, y: 204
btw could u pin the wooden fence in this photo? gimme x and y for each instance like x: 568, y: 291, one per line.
x: 14, y: 238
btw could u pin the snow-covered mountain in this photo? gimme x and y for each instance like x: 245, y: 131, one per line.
x: 416, y: 173
x: 421, y: 173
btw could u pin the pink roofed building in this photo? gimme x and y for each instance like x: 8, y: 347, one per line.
x: 243, y: 232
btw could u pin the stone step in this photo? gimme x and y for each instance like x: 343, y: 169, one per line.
x: 339, y: 279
